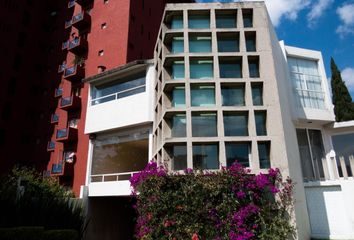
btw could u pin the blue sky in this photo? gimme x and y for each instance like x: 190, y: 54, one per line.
x: 324, y: 25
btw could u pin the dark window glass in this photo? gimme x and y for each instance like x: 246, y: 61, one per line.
x: 257, y: 94
x: 205, y: 156
x: 264, y: 154
x: 233, y: 95
x: 204, y: 125
x: 179, y: 154
x: 236, y: 124
x: 238, y: 152
x: 261, y: 119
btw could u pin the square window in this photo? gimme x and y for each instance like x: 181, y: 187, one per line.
x: 178, y: 125
x: 236, y: 123
x: 203, y: 96
x: 226, y: 19
x: 177, y: 70
x: 201, y: 69
x: 205, y: 156
x: 238, y: 152
x: 228, y: 42
x: 199, y: 44
x: 204, y: 125
x: 264, y: 154
x: 257, y: 94
x: 261, y: 122
x: 233, y: 95
x: 230, y: 67
x: 179, y: 157
x: 199, y: 21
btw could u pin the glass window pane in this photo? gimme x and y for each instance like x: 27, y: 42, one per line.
x: 199, y: 21
x: 253, y: 67
x: 236, y: 124
x: 250, y: 41
x: 177, y: 22
x: 305, y: 155
x: 206, y: 156
x: 261, y: 118
x: 264, y: 154
x: 226, y: 20
x: 344, y: 147
x: 178, y: 70
x: 203, y: 96
x: 199, y: 44
x: 116, y: 154
x: 233, y: 95
x: 178, y: 125
x: 317, y: 150
x: 257, y: 95
x: 201, y: 69
x: 179, y: 161
x: 239, y: 152
x: 230, y: 69
x: 247, y: 18
x: 228, y: 44
x: 178, y: 97
x: 177, y: 45
x: 204, y: 125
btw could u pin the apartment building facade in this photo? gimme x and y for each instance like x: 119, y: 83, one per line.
x: 221, y: 88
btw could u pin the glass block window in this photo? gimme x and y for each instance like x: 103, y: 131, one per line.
x: 261, y: 122
x: 206, y: 156
x: 307, y: 83
x: 199, y: 21
x: 199, y: 44
x: 236, y: 123
x: 203, y: 96
x: 201, y: 69
x: 204, y: 125
x: 238, y: 152
x: 233, y: 95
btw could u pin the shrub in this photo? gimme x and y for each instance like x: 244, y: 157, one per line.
x: 228, y: 204
x: 21, y: 233
x: 66, y: 234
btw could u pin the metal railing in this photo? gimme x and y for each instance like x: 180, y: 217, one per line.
x: 112, y: 177
x: 118, y: 95
x: 66, y: 101
x: 338, y: 168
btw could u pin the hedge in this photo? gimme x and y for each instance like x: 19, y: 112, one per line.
x: 37, y: 233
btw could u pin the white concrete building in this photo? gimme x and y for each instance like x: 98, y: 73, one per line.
x: 222, y: 87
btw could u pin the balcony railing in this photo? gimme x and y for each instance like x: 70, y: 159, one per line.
x: 65, y: 45
x: 81, y: 20
x: 112, y: 177
x: 61, y: 68
x: 58, y: 92
x: 51, y: 146
x: 57, y: 168
x: 55, y: 118
x: 74, y: 73
x: 71, y: 3
x: 77, y: 45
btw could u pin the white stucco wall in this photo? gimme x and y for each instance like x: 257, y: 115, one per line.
x: 128, y: 111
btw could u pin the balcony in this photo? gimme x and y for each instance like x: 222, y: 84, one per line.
x: 61, y: 68
x: 69, y: 103
x: 74, y: 73
x: 54, y: 118
x: 77, y: 46
x: 66, y: 134
x: 65, y: 45
x: 58, y: 92
x: 81, y: 20
x: 68, y: 24
x: 51, y: 146
x: 71, y: 3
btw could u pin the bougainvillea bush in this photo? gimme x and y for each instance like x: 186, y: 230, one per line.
x: 227, y: 204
